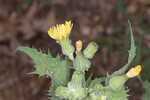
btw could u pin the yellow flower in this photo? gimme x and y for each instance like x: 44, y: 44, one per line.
x: 78, y: 45
x: 134, y: 71
x: 60, y: 31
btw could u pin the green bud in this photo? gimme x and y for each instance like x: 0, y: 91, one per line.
x: 62, y: 92
x: 78, y: 80
x: 67, y: 48
x: 77, y: 86
x: 117, y: 82
x: 81, y: 63
x: 90, y: 50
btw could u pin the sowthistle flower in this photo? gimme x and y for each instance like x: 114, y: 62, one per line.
x: 60, y: 31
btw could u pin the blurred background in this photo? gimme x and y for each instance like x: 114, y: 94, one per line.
x: 26, y: 22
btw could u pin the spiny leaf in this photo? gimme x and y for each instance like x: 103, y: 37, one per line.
x: 132, y: 53
x: 46, y: 65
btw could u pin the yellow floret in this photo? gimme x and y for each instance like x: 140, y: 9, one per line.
x: 134, y: 71
x: 60, y: 31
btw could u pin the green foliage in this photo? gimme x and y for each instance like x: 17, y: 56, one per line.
x: 49, y: 66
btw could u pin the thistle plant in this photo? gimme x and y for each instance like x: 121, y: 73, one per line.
x: 75, y: 86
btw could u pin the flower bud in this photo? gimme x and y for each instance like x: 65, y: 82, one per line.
x: 78, y: 80
x: 117, y: 82
x: 134, y: 71
x: 77, y: 86
x: 90, y: 50
x: 78, y: 45
x: 81, y: 63
x: 67, y: 48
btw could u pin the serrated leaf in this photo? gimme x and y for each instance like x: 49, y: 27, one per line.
x: 132, y: 54
x: 56, y: 68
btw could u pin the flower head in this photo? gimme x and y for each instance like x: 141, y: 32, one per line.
x: 60, y: 31
x: 134, y: 71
